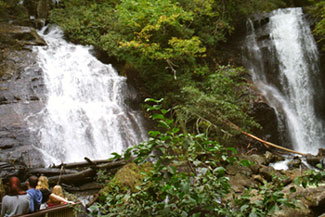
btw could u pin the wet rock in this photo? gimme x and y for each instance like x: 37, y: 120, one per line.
x: 321, y: 152
x: 258, y: 159
x: 268, y: 173
x: 8, y: 170
x: 272, y: 158
x: 240, y: 182
x: 233, y: 169
x: 258, y: 178
x: 299, y: 211
x: 266, y: 116
x: 311, y: 202
x: 18, y: 36
x: 21, y: 94
x: 314, y: 160
x: 294, y: 163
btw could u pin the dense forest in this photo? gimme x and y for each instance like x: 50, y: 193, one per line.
x: 176, y: 54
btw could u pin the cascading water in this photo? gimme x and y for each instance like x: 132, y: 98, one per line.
x: 85, y: 113
x: 283, y: 58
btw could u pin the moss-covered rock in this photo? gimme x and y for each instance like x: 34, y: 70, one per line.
x: 12, y: 39
x: 17, y: 37
x: 128, y: 177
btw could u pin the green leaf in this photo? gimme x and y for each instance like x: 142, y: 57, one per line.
x: 297, y: 181
x: 153, y: 133
x: 184, y: 214
x: 163, y: 124
x: 219, y: 170
x: 154, y: 100
x: 232, y: 149
x: 158, y: 116
x: 319, y: 166
x: 204, y: 170
x: 164, y: 111
x: 246, y: 163
x: 259, y: 203
x: 244, y: 207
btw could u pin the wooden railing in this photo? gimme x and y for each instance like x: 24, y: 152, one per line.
x: 56, y: 211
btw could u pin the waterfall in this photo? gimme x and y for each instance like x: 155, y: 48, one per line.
x: 85, y: 114
x: 283, y: 59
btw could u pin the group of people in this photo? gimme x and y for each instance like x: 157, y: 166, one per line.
x: 38, y: 196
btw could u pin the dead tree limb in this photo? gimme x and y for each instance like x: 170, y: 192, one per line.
x: 234, y: 126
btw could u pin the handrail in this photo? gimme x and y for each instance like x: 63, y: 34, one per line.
x: 56, y: 209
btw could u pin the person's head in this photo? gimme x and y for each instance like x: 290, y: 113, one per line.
x: 14, y: 186
x: 57, y: 190
x: 43, y: 183
x: 32, y: 182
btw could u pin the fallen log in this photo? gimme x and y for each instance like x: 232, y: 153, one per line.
x: 80, y: 164
x: 111, y: 165
x: 73, y: 178
x: 50, y: 171
x: 86, y: 187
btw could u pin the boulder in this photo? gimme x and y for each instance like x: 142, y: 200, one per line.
x: 294, y: 163
x: 310, y: 202
x: 239, y: 183
x: 272, y: 158
x: 314, y: 160
x: 128, y: 177
x: 321, y: 152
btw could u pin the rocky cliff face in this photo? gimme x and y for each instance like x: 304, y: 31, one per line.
x: 21, y: 95
x: 21, y: 86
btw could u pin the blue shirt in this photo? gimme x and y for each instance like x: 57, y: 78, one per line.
x: 35, y: 199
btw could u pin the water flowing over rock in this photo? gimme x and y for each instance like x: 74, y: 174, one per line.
x: 283, y: 58
x: 86, y: 113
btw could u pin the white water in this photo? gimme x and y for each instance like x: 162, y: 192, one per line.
x: 85, y: 114
x: 295, y: 51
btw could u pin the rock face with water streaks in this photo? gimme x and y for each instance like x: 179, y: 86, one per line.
x: 21, y: 88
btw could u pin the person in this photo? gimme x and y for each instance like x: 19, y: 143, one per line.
x: 35, y: 194
x: 17, y: 201
x: 51, y: 198
x: 57, y: 190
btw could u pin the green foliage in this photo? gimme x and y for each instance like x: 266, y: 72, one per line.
x: 267, y: 200
x: 318, y: 11
x: 162, y: 39
x: 3, y: 4
x: 311, y: 177
x: 12, y: 10
x: 186, y: 177
x: 222, y: 98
